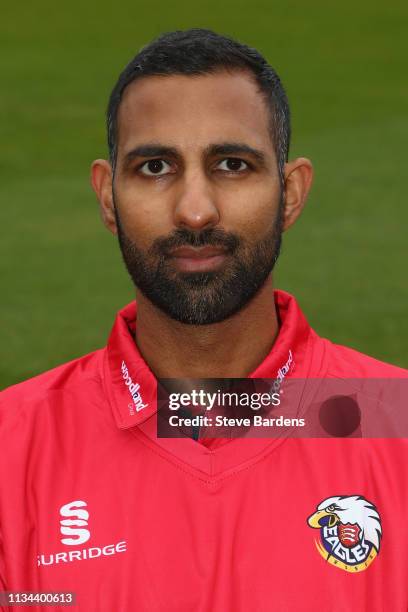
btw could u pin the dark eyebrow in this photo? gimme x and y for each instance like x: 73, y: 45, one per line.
x: 236, y: 148
x: 149, y: 150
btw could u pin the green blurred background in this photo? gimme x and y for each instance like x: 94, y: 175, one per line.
x: 344, y: 65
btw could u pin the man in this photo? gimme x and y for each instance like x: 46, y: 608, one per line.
x: 199, y: 189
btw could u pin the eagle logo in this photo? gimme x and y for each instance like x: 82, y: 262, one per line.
x: 350, y: 531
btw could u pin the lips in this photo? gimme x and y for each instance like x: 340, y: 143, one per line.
x: 197, y: 252
x: 198, y: 259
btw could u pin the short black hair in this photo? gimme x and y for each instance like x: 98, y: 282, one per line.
x: 200, y: 51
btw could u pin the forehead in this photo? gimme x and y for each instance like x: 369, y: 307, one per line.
x: 190, y: 112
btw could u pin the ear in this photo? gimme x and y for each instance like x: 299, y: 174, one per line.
x: 101, y: 180
x: 298, y: 176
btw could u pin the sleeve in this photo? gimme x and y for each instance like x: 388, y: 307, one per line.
x: 3, y: 586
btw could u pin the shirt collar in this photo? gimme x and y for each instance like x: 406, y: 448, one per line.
x: 131, y: 385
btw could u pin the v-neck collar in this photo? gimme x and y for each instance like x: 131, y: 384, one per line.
x: 131, y: 387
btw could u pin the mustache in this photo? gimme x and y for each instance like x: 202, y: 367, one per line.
x: 208, y: 237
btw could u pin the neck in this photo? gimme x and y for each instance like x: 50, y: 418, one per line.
x: 230, y: 349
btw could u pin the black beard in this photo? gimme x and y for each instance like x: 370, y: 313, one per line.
x: 202, y: 298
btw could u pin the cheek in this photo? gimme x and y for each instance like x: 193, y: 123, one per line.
x: 253, y: 214
x: 143, y: 217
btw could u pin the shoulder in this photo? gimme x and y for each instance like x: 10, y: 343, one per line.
x: 358, y: 386
x: 37, y: 390
x: 342, y: 361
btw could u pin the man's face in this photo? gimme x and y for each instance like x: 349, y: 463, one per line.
x: 197, y: 193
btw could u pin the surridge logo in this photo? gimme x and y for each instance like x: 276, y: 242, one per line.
x: 350, y: 531
x: 133, y: 388
x: 74, y: 527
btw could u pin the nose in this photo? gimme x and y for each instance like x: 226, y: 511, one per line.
x: 196, y: 207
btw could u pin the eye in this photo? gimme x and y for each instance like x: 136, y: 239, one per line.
x: 331, y: 508
x: 155, y: 167
x: 232, y: 164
